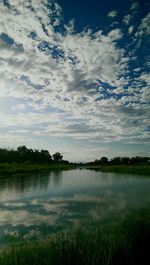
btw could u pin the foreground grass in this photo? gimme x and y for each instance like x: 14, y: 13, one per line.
x: 125, y: 169
x: 15, y: 168
x: 124, y: 243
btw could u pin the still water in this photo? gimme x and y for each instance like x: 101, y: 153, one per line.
x: 35, y: 205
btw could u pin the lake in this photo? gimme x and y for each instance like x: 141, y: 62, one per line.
x: 35, y: 205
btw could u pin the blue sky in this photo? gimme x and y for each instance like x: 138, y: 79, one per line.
x: 74, y: 77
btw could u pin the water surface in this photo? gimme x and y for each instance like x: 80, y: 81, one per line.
x: 35, y: 205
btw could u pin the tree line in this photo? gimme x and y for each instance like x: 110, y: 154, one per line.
x: 23, y: 154
x: 121, y: 161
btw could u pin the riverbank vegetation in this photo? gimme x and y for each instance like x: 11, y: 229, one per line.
x: 25, y: 155
x: 122, y: 169
x: 25, y: 159
x: 137, y: 160
x: 124, y: 242
x: 21, y: 168
x: 125, y: 165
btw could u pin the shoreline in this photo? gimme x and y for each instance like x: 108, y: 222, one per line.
x: 16, y: 168
x: 20, y: 168
x: 122, y: 169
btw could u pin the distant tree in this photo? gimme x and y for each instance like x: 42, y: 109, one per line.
x: 125, y: 160
x: 22, y: 154
x: 96, y: 161
x: 103, y: 160
x: 57, y: 157
x: 22, y: 149
x: 45, y: 155
x: 66, y: 162
x: 30, y: 151
x: 116, y: 160
x: 138, y: 159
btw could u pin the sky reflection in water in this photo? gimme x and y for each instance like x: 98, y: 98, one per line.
x: 36, y: 205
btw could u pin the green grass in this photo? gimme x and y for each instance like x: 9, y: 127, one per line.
x: 125, y: 242
x: 124, y: 169
x: 15, y: 168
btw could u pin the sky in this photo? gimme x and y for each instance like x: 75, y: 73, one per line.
x: 74, y: 77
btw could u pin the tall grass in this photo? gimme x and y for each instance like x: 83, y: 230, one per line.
x: 117, y: 243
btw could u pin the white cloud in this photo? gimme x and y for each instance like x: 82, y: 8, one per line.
x: 143, y: 30
x: 64, y: 77
x: 127, y: 19
x: 115, y: 34
x: 19, y: 107
x: 130, y: 29
x: 26, y: 119
x: 134, y: 6
x: 146, y: 94
x: 145, y: 77
x: 112, y: 14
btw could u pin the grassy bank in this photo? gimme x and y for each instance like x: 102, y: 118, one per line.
x: 19, y: 168
x: 15, y: 168
x: 119, y: 243
x: 124, y: 169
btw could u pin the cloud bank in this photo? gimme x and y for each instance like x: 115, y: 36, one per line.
x: 57, y: 82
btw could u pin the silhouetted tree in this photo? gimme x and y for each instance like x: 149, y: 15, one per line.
x: 103, y: 160
x: 116, y: 160
x: 57, y: 157
x: 125, y: 160
x: 22, y: 149
x: 23, y: 154
x: 45, y: 156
